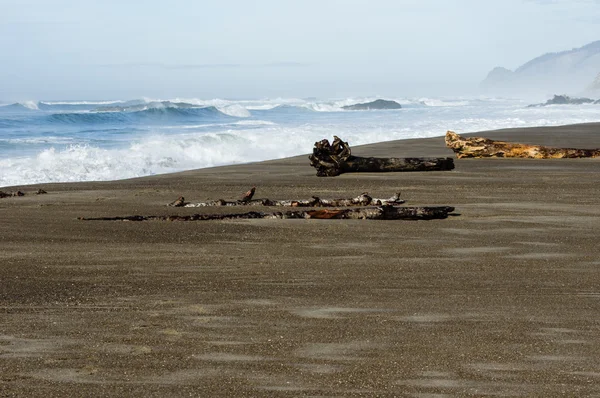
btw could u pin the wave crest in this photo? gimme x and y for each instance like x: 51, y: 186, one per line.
x: 145, y: 114
x: 20, y: 106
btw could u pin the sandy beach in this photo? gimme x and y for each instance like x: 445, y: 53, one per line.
x: 500, y: 299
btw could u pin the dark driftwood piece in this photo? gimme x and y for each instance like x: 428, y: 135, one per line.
x: 248, y: 195
x: 361, y: 200
x: 11, y: 194
x: 478, y: 147
x: 19, y: 193
x: 334, y: 159
x: 365, y: 213
x: 179, y: 202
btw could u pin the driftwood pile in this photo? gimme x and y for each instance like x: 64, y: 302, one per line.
x: 336, y: 158
x: 387, y: 212
x: 479, y: 147
x: 361, y: 200
x: 362, y: 207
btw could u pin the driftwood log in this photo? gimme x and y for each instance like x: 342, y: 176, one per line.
x: 19, y: 193
x: 361, y: 200
x: 388, y: 212
x: 11, y: 194
x: 478, y: 147
x: 248, y: 195
x: 336, y: 158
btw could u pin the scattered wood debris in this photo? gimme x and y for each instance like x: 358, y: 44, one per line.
x: 361, y: 200
x: 19, y: 193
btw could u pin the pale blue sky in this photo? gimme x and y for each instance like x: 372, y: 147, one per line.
x: 108, y: 49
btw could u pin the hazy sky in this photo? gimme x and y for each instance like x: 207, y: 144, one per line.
x: 108, y: 49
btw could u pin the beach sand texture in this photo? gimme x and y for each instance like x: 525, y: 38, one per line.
x: 502, y: 299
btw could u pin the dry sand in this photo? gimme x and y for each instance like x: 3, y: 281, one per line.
x: 501, y: 300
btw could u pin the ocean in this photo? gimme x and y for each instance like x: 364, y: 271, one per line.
x: 61, y: 141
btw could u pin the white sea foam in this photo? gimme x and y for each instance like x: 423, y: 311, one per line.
x: 335, y: 105
x: 82, y: 102
x: 262, y: 107
x: 439, y: 102
x: 223, y: 104
x: 37, y: 140
x: 226, y: 107
x: 152, y: 155
x: 339, y: 104
x: 234, y: 110
x: 240, y: 108
x: 254, y: 123
x: 206, y: 126
x: 30, y: 105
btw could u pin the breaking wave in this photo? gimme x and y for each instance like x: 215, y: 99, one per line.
x: 153, y: 155
x: 439, y: 102
x: 236, y: 108
x: 144, y: 115
x: 77, y: 103
x: 20, y: 106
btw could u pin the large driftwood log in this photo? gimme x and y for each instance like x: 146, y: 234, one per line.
x: 366, y: 213
x: 361, y: 200
x: 478, y: 147
x: 336, y: 158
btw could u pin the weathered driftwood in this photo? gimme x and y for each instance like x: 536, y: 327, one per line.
x: 11, y: 194
x: 361, y: 200
x: 336, y: 158
x: 478, y: 147
x: 365, y: 213
x: 179, y: 202
x: 248, y: 195
x: 19, y: 193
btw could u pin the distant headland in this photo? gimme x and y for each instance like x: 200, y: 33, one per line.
x: 571, y: 72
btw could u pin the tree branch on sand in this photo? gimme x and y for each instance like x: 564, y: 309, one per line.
x: 361, y: 200
x: 334, y: 159
x: 365, y: 207
x: 387, y: 212
x: 479, y: 147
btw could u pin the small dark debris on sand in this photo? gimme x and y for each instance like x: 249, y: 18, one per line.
x: 19, y: 193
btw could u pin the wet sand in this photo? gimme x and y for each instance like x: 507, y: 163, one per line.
x: 501, y: 299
